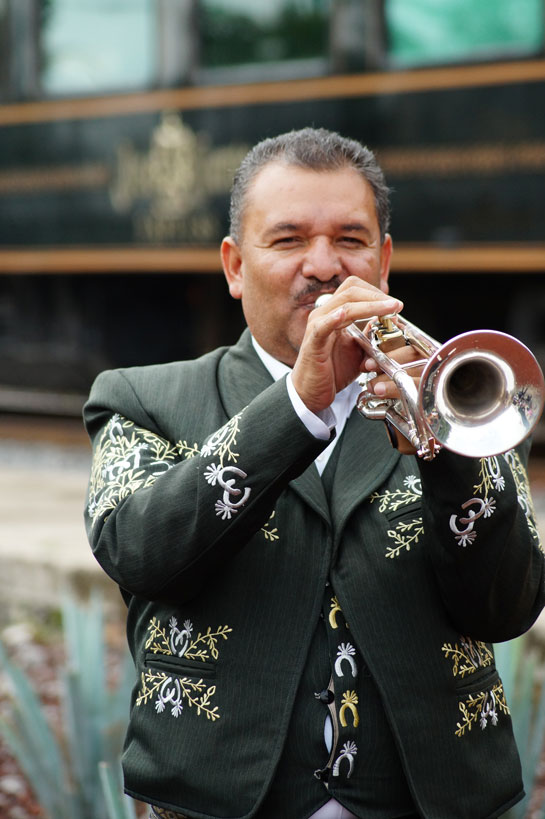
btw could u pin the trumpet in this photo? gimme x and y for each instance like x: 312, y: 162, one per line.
x: 480, y: 394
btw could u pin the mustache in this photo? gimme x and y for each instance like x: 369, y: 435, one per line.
x: 315, y: 287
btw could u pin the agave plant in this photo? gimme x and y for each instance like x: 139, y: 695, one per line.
x: 523, y: 679
x: 119, y: 806
x: 62, y: 765
x: 74, y: 770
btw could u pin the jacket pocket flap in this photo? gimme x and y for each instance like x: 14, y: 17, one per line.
x: 180, y: 666
x: 482, y: 680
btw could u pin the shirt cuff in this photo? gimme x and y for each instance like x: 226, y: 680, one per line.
x: 321, y: 424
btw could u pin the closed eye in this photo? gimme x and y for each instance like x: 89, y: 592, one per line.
x: 352, y: 241
x: 286, y: 241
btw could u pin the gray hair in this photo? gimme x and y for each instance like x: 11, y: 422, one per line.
x: 316, y: 149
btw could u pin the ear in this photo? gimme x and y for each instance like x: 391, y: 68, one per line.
x: 231, y: 260
x: 385, y: 258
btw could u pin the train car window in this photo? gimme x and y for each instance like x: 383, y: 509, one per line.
x: 97, y: 46
x: 4, y: 51
x: 249, y: 40
x: 440, y: 31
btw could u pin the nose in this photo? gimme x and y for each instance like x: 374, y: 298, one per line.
x: 321, y: 260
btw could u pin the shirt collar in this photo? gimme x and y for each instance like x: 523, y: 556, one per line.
x: 344, y: 400
x: 275, y: 367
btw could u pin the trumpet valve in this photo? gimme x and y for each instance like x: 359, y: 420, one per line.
x: 388, y: 334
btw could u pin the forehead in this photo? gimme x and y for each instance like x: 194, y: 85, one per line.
x: 280, y: 188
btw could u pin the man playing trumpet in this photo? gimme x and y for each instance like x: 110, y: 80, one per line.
x: 310, y: 610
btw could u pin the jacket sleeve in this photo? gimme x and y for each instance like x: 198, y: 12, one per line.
x: 484, y: 542
x: 162, y: 514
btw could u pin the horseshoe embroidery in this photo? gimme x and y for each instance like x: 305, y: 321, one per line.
x: 179, y: 690
x: 335, y: 609
x: 226, y: 507
x: 346, y: 651
x: 179, y: 639
x: 485, y: 508
x: 172, y: 695
x: 349, y: 701
x: 349, y: 750
x: 491, y: 479
x: 481, y: 707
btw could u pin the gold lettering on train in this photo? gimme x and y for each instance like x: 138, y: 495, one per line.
x: 168, y: 188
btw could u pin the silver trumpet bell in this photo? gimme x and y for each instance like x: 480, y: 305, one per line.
x: 479, y: 394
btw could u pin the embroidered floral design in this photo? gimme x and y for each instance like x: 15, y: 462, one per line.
x: 482, y: 707
x: 187, y: 451
x: 177, y: 690
x: 467, y: 657
x: 212, y: 473
x: 127, y: 458
x: 524, y: 497
x: 221, y: 442
x: 392, y: 501
x: 491, y: 478
x: 349, y: 702
x: 348, y: 752
x: 406, y: 533
x: 270, y: 533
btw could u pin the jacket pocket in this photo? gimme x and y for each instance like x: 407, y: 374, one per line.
x: 483, y: 680
x: 409, y: 510
x: 180, y: 666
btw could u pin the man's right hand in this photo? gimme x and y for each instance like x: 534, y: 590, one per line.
x: 330, y: 358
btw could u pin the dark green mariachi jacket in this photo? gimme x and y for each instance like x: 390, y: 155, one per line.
x: 206, y: 508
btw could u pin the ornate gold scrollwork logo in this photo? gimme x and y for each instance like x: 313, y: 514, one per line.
x: 168, y: 188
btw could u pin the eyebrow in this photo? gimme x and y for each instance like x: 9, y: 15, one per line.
x: 293, y: 227
x: 355, y: 227
x: 282, y: 227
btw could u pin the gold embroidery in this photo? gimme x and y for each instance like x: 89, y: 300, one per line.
x: 490, y: 475
x: 127, y: 458
x: 349, y: 701
x: 335, y: 609
x: 222, y: 441
x: 270, y: 534
x: 176, y: 690
x: 524, y: 496
x: 492, y: 478
x: 484, y: 706
x: 404, y: 535
x: 392, y: 501
x: 187, y: 451
x: 159, y: 643
x: 468, y: 657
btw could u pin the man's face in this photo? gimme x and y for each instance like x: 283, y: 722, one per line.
x: 304, y: 232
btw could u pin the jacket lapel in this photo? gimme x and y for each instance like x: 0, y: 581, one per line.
x: 241, y: 377
x: 365, y: 460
